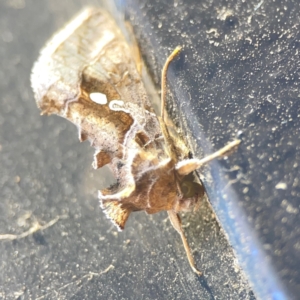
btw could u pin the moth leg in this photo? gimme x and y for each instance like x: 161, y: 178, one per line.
x: 198, y: 203
x: 164, y: 79
x: 176, y: 222
x: 185, y: 167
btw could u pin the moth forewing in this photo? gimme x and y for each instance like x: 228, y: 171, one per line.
x: 86, y: 74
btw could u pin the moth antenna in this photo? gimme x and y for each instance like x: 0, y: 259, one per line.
x: 134, y: 47
x: 164, y: 80
x: 176, y: 222
x: 187, y: 166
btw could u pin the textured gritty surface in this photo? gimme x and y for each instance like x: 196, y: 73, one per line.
x: 240, y: 73
x: 45, y: 173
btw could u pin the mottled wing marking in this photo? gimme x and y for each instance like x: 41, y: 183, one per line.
x: 87, y: 75
x: 90, y: 58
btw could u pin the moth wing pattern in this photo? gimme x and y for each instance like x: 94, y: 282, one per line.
x: 87, y: 75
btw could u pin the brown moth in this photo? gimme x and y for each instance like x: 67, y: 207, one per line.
x: 86, y: 74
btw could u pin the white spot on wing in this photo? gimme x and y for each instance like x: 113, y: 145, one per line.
x: 118, y: 105
x: 98, y: 98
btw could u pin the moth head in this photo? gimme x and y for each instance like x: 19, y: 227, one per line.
x: 191, y: 193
